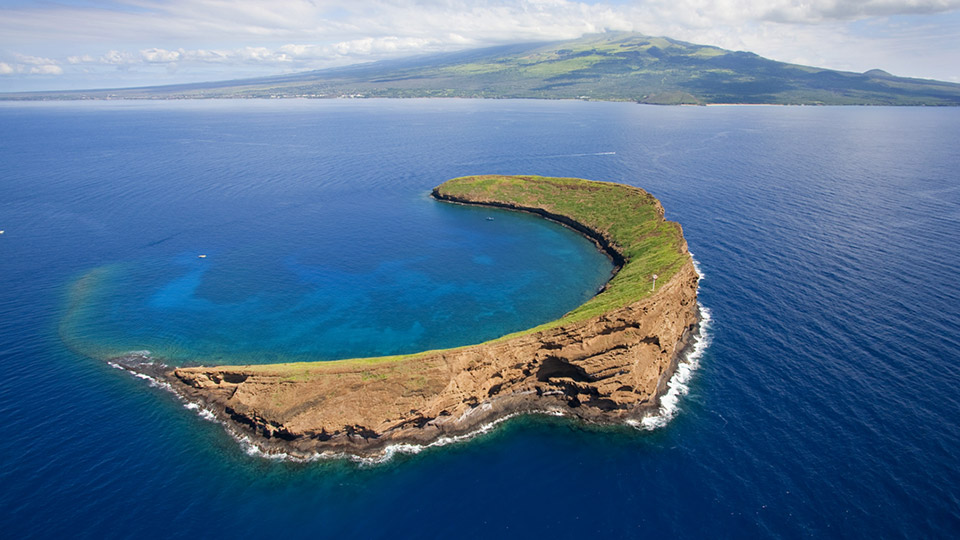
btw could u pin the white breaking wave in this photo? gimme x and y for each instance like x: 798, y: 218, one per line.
x: 150, y: 380
x: 696, y: 267
x: 677, y: 387
x: 153, y: 382
x: 202, y: 412
x: 254, y: 450
x: 580, y: 155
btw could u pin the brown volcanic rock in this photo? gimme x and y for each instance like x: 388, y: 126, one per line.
x: 608, y: 368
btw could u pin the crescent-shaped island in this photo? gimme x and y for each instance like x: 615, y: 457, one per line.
x: 607, y: 361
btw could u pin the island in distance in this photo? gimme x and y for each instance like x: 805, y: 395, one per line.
x: 607, y: 361
x: 616, y: 66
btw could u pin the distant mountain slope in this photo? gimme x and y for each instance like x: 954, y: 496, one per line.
x: 612, y: 66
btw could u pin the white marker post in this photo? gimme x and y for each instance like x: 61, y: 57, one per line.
x: 654, y: 283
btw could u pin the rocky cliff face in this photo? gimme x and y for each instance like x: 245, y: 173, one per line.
x: 606, y: 369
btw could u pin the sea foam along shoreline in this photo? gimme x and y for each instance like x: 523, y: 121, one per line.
x: 679, y: 383
x: 596, y: 367
x: 138, y: 364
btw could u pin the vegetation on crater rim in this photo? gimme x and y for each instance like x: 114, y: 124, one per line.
x: 628, y: 217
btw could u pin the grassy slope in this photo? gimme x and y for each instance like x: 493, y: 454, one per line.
x: 611, y: 66
x: 627, y: 66
x: 629, y: 216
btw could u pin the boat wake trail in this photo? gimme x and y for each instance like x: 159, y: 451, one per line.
x: 587, y: 154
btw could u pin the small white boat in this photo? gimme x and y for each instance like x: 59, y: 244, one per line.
x: 201, y: 256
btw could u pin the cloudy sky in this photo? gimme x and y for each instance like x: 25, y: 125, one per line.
x: 70, y: 44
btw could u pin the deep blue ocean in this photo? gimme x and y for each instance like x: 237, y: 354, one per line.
x: 827, y: 403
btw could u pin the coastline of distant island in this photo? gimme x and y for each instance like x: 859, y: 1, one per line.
x: 612, y: 66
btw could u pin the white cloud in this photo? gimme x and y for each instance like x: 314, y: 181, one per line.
x: 81, y: 59
x: 824, y: 10
x: 34, y: 60
x: 204, y: 55
x: 286, y: 35
x: 331, y: 20
x: 259, y: 54
x: 704, y: 13
x: 156, y: 55
x: 356, y: 49
x: 30, y: 65
x: 117, y: 58
x: 47, y: 69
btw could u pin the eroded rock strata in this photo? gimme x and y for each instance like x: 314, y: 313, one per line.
x: 607, y: 368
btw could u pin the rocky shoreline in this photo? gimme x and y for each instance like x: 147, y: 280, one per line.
x: 610, y: 368
x: 602, y: 242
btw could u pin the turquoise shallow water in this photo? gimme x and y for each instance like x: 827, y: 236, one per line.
x: 271, y: 242
x: 406, y: 277
x: 825, y: 405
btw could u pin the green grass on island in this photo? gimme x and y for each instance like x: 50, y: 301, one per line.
x: 629, y: 217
